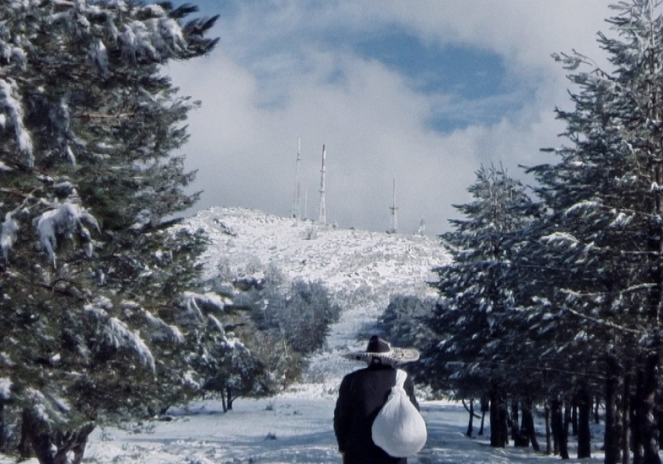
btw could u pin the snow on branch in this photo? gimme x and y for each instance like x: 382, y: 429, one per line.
x: 12, y: 108
x: 583, y: 205
x: 116, y: 334
x: 194, y: 301
x: 216, y: 324
x: 622, y: 220
x: 8, y: 234
x: 155, y: 38
x: 47, y: 408
x: 5, y: 388
x: 230, y: 342
x: 64, y: 220
x: 560, y: 237
x: 164, y: 331
x: 603, y: 322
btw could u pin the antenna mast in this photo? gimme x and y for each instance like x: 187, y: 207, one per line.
x: 323, y: 210
x: 296, y: 205
x: 306, y: 202
x: 394, y: 210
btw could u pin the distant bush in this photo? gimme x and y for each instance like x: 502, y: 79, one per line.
x: 287, y: 323
x: 402, y: 321
x: 303, y: 314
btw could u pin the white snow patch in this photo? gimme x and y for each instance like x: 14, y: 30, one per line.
x: 64, y: 220
x: 8, y: 234
x: 14, y: 110
x: 117, y: 334
x: 5, y: 389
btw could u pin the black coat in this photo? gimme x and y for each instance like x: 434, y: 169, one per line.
x: 361, y: 396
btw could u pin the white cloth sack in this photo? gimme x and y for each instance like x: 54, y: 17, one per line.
x: 399, y: 428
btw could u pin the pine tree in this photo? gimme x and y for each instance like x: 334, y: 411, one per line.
x: 604, y: 235
x: 94, y: 323
x: 477, y: 343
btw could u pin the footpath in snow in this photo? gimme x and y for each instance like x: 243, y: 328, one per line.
x: 287, y: 429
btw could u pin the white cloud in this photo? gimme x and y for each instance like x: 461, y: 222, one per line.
x: 281, y: 73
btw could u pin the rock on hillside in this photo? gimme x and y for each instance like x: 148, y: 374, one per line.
x: 361, y: 269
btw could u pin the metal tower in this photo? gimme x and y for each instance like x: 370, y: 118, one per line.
x: 394, y: 212
x: 422, y: 227
x: 322, y: 209
x: 296, y: 204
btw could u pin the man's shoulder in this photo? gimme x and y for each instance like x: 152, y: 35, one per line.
x: 356, y: 373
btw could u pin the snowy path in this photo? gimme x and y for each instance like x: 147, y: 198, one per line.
x: 301, y: 431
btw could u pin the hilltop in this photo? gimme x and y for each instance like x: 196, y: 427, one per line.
x: 361, y: 269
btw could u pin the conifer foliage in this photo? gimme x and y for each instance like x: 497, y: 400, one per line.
x: 604, y: 234
x: 476, y: 322
x: 566, y: 303
x: 91, y: 278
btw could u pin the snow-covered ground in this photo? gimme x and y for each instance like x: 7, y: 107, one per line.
x: 290, y: 428
x: 362, y: 270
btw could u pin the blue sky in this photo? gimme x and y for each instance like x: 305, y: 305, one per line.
x: 423, y: 91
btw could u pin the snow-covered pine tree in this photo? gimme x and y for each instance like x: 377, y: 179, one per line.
x: 477, y: 349
x: 605, y: 234
x: 91, y: 276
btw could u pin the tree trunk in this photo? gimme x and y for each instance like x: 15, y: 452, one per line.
x: 223, y: 401
x: 648, y: 414
x: 634, y: 422
x: 495, y: 441
x: 574, y: 415
x: 597, y: 403
x: 567, y: 415
x: 559, y: 431
x: 547, y: 419
x: 626, y: 418
x: 584, y: 416
x: 528, y: 432
x: 504, y: 423
x: 229, y: 398
x: 498, y: 426
x: 3, y: 436
x: 613, y: 412
x: 470, y: 425
x: 515, y: 431
x: 24, y: 450
x: 485, y: 405
x: 54, y: 447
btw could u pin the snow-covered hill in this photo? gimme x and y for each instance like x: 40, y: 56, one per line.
x: 361, y: 269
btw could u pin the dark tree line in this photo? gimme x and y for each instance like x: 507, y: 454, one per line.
x: 555, y: 294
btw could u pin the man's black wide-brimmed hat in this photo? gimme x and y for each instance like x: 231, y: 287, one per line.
x: 379, y: 348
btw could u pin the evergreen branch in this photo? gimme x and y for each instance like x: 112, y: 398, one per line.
x: 26, y: 197
x: 491, y: 364
x: 612, y: 325
x: 468, y: 410
x: 66, y: 291
x: 634, y: 288
x: 15, y: 192
x: 103, y: 116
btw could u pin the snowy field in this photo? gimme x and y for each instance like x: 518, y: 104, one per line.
x: 290, y: 428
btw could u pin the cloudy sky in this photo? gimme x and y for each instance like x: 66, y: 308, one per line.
x: 423, y: 91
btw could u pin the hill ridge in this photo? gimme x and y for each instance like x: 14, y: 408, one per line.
x: 361, y: 269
